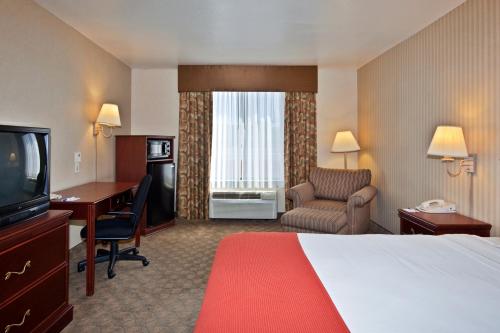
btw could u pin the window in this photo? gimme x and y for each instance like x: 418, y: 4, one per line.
x: 247, y: 140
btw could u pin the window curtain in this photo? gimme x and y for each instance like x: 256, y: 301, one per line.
x: 247, y: 144
x: 300, y: 138
x: 195, y: 138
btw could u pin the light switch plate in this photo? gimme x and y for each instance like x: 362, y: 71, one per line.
x: 77, y: 160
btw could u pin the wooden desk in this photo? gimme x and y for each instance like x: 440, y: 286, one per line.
x: 439, y: 224
x: 96, y: 199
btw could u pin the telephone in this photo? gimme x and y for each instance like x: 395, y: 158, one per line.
x: 437, y: 206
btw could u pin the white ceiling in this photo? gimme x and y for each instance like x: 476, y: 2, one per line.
x: 165, y: 33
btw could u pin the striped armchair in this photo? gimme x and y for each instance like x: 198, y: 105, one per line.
x: 332, y: 201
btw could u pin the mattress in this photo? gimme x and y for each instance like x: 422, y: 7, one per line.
x: 418, y: 283
x: 287, y: 282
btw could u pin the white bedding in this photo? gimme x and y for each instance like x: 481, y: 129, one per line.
x: 388, y: 283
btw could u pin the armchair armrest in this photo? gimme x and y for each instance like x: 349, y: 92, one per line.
x: 358, y: 209
x: 362, y: 197
x: 300, y: 194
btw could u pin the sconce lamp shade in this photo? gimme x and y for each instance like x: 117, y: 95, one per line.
x: 448, y: 142
x: 109, y: 116
x: 344, y: 142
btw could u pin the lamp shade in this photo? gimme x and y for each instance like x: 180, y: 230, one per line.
x: 109, y: 116
x: 344, y: 142
x: 449, y: 142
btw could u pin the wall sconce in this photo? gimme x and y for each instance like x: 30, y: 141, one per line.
x: 109, y: 116
x: 344, y: 142
x: 449, y: 142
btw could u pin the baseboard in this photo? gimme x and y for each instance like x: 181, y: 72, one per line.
x: 378, y: 228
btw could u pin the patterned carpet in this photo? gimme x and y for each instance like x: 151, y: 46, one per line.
x: 162, y: 297
x: 166, y: 295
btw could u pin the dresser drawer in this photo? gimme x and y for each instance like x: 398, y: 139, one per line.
x: 409, y: 228
x: 29, y: 261
x: 30, y: 309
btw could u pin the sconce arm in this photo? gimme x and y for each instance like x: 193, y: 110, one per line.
x: 100, y: 128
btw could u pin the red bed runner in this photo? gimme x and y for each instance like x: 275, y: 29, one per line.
x: 263, y: 282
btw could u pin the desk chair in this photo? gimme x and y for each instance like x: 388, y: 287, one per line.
x: 118, y: 226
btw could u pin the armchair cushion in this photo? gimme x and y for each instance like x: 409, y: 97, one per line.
x: 338, y: 184
x: 327, y: 221
x: 326, y: 205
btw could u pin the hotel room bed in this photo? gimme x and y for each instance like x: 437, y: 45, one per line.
x: 287, y: 282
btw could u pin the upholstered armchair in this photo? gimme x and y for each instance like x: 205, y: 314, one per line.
x: 332, y: 201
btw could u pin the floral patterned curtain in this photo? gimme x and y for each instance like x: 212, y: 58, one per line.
x: 195, y: 139
x: 300, y: 138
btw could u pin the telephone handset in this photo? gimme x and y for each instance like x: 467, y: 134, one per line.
x: 437, y: 206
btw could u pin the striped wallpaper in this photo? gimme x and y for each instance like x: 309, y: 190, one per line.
x: 448, y: 73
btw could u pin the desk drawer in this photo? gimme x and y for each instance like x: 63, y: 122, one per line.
x: 30, y: 309
x: 29, y: 261
x: 409, y: 228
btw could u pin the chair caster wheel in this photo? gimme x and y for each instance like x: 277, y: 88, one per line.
x: 81, y: 268
x: 111, y: 275
x: 145, y: 262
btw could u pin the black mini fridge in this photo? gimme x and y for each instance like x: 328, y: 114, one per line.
x: 161, y: 199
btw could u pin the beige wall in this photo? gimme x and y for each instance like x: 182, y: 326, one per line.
x: 336, y: 111
x: 52, y: 76
x: 155, y: 102
x: 448, y: 73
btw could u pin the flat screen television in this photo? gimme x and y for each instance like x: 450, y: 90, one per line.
x: 24, y: 172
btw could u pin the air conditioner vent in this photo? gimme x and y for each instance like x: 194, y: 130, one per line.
x: 236, y: 195
x: 243, y: 204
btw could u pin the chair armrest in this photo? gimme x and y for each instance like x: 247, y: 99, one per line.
x: 300, y: 194
x: 362, y: 197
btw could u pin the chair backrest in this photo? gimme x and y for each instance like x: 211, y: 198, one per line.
x: 338, y: 184
x: 140, y: 200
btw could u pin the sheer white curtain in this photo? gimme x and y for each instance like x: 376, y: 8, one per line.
x: 247, y: 140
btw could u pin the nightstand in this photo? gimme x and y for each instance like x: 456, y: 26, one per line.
x: 439, y: 224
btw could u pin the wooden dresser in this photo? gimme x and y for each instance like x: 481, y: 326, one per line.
x: 34, y: 273
x: 439, y: 224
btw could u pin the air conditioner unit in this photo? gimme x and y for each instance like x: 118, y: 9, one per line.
x: 247, y: 204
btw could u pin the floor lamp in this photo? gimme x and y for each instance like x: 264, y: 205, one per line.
x: 344, y: 142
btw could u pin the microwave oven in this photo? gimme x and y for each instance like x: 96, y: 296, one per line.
x: 159, y: 149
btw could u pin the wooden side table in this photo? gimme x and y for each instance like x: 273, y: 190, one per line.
x: 439, y: 224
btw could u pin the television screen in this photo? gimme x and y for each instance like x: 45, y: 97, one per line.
x: 23, y: 167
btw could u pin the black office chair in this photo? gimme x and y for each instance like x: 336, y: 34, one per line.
x: 119, y: 226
